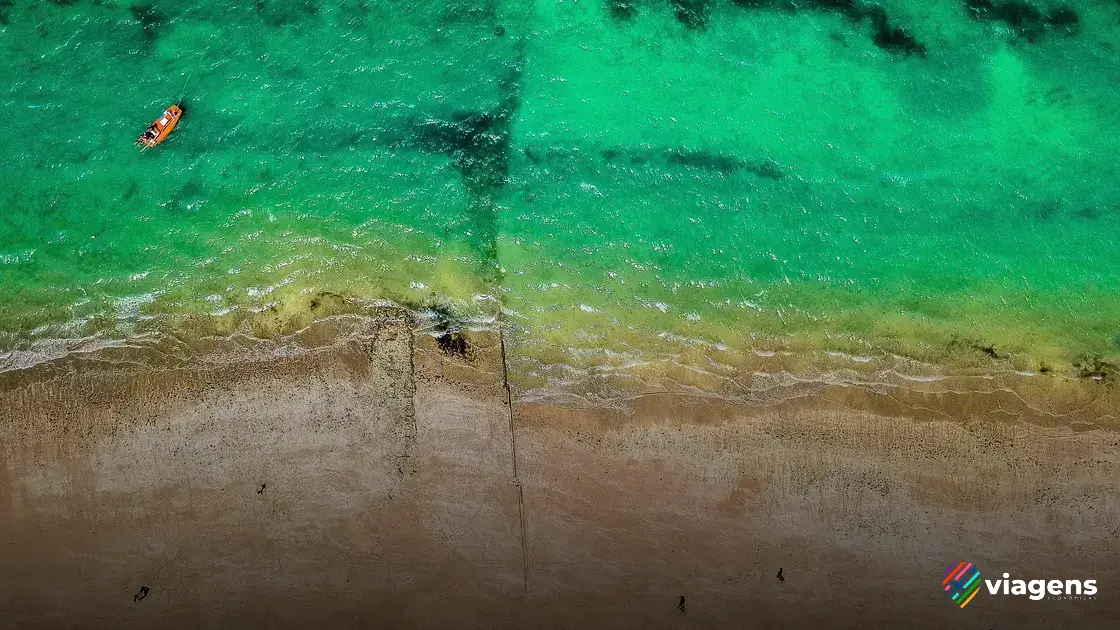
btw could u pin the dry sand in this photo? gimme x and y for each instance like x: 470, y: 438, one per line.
x: 356, y: 475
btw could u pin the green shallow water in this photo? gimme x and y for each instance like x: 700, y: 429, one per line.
x: 629, y: 175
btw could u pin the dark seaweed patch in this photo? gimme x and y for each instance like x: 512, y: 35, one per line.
x: 986, y: 349
x: 449, y: 337
x: 704, y: 160
x: 189, y: 196
x: 621, y: 10
x: 5, y: 11
x: 694, y: 14
x: 353, y: 12
x: 478, y: 142
x: 324, y: 299
x: 769, y: 169
x: 1090, y: 213
x: 1025, y: 19
x: 989, y: 350
x: 277, y: 13
x: 893, y: 39
x: 1095, y: 368
x: 150, y: 20
x: 470, y: 12
x: 696, y: 159
x: 454, y: 343
x: 887, y: 36
x: 1047, y: 210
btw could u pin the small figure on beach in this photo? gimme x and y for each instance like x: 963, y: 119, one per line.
x: 140, y: 594
x: 780, y: 578
x: 680, y: 604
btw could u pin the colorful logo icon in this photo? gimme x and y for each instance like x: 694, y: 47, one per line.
x: 961, y: 582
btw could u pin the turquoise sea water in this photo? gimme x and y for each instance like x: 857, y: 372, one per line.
x: 934, y: 179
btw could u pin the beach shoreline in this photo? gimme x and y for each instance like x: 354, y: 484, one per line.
x: 361, y: 471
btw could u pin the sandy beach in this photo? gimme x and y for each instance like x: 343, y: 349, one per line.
x: 361, y: 474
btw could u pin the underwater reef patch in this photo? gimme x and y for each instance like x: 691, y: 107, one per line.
x: 885, y: 34
x: 713, y: 161
x: 1095, y: 368
x: 621, y: 10
x: 1026, y: 20
x: 278, y: 13
x: 150, y: 20
x: 693, y: 14
x: 477, y: 141
x: 986, y: 349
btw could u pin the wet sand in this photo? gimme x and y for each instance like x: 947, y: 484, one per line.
x: 356, y: 474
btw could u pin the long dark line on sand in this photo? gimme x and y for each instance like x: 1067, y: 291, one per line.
x: 513, y: 448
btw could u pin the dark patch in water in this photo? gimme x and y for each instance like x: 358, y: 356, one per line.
x: 891, y: 38
x: 1025, y: 19
x: 64, y: 3
x: 768, y: 169
x: 1095, y: 368
x: 532, y: 155
x: 478, y: 142
x: 986, y: 349
x: 894, y: 39
x: 694, y: 14
x: 353, y: 12
x: 989, y: 350
x: 704, y: 160
x: 278, y: 13
x: 621, y: 10
x: 1048, y: 210
x: 470, y: 12
x: 150, y: 20
x: 478, y: 145
x: 689, y: 158
x: 499, y: 31
x: 1089, y: 213
x: 1064, y: 19
x: 190, y: 194
x: 322, y: 297
x: 5, y: 11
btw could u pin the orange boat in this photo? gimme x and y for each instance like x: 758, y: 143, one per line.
x: 160, y: 129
